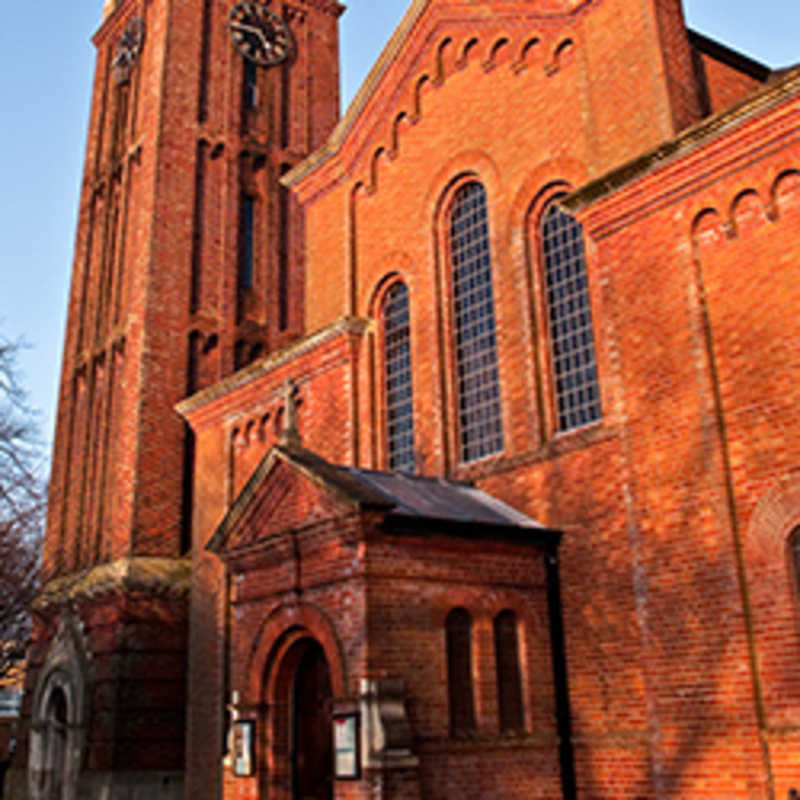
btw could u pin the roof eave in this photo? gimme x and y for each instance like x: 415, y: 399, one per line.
x: 696, y: 136
x: 472, y: 529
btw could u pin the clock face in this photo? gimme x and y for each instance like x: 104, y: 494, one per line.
x: 128, y: 47
x: 259, y: 34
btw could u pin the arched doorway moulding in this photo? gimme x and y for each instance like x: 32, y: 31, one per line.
x: 64, y: 675
x: 281, y: 628
x: 284, y: 638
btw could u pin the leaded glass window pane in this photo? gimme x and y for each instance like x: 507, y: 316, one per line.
x: 577, y: 392
x: 480, y: 422
x: 399, y: 395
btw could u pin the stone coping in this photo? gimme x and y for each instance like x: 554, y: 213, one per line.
x: 148, y: 574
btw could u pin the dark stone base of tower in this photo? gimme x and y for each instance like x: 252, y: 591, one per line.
x: 449, y: 450
x: 105, y: 696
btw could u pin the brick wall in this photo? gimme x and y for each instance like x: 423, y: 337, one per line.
x: 679, y: 600
x: 707, y: 354
x: 669, y: 649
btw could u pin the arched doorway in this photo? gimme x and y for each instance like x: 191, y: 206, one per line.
x: 59, y: 716
x: 49, y: 778
x: 299, y: 743
x: 54, y: 746
x: 311, y: 750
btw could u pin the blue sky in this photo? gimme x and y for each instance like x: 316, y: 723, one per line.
x: 46, y: 63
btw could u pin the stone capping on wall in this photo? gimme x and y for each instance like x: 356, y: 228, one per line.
x: 330, y: 6
x: 732, y: 58
x: 264, y: 365
x: 775, y: 93
x: 114, y: 12
x: 160, y: 576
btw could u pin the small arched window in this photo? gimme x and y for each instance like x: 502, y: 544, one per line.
x: 459, y: 671
x: 576, y: 388
x: 509, y: 682
x: 398, y: 381
x: 478, y: 383
x: 250, y: 84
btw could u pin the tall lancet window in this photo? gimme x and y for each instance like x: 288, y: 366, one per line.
x: 458, y: 629
x: 250, y: 84
x: 399, y: 393
x: 509, y: 680
x: 477, y: 376
x: 576, y: 389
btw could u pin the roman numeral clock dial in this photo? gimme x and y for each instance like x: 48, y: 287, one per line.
x: 259, y: 34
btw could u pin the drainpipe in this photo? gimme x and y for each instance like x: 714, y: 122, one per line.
x: 566, y: 756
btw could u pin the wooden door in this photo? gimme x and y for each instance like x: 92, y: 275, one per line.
x: 312, y: 745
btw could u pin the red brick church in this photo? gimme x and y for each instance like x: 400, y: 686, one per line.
x: 448, y: 450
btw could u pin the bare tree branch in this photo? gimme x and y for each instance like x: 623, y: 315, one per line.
x: 22, y: 507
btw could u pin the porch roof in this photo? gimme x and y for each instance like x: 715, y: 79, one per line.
x: 410, y: 502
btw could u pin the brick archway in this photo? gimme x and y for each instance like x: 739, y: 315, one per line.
x: 281, y: 623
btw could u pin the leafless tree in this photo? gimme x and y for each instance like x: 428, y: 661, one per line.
x: 22, y: 502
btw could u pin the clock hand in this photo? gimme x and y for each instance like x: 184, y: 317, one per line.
x: 241, y: 26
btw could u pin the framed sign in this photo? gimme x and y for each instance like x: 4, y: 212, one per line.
x: 243, y: 749
x: 346, y: 751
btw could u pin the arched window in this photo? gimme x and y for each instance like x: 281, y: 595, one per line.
x: 459, y: 671
x: 478, y: 384
x: 250, y: 84
x: 398, y: 383
x: 509, y: 682
x: 576, y: 389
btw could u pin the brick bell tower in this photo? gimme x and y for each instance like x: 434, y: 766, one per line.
x: 187, y: 267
